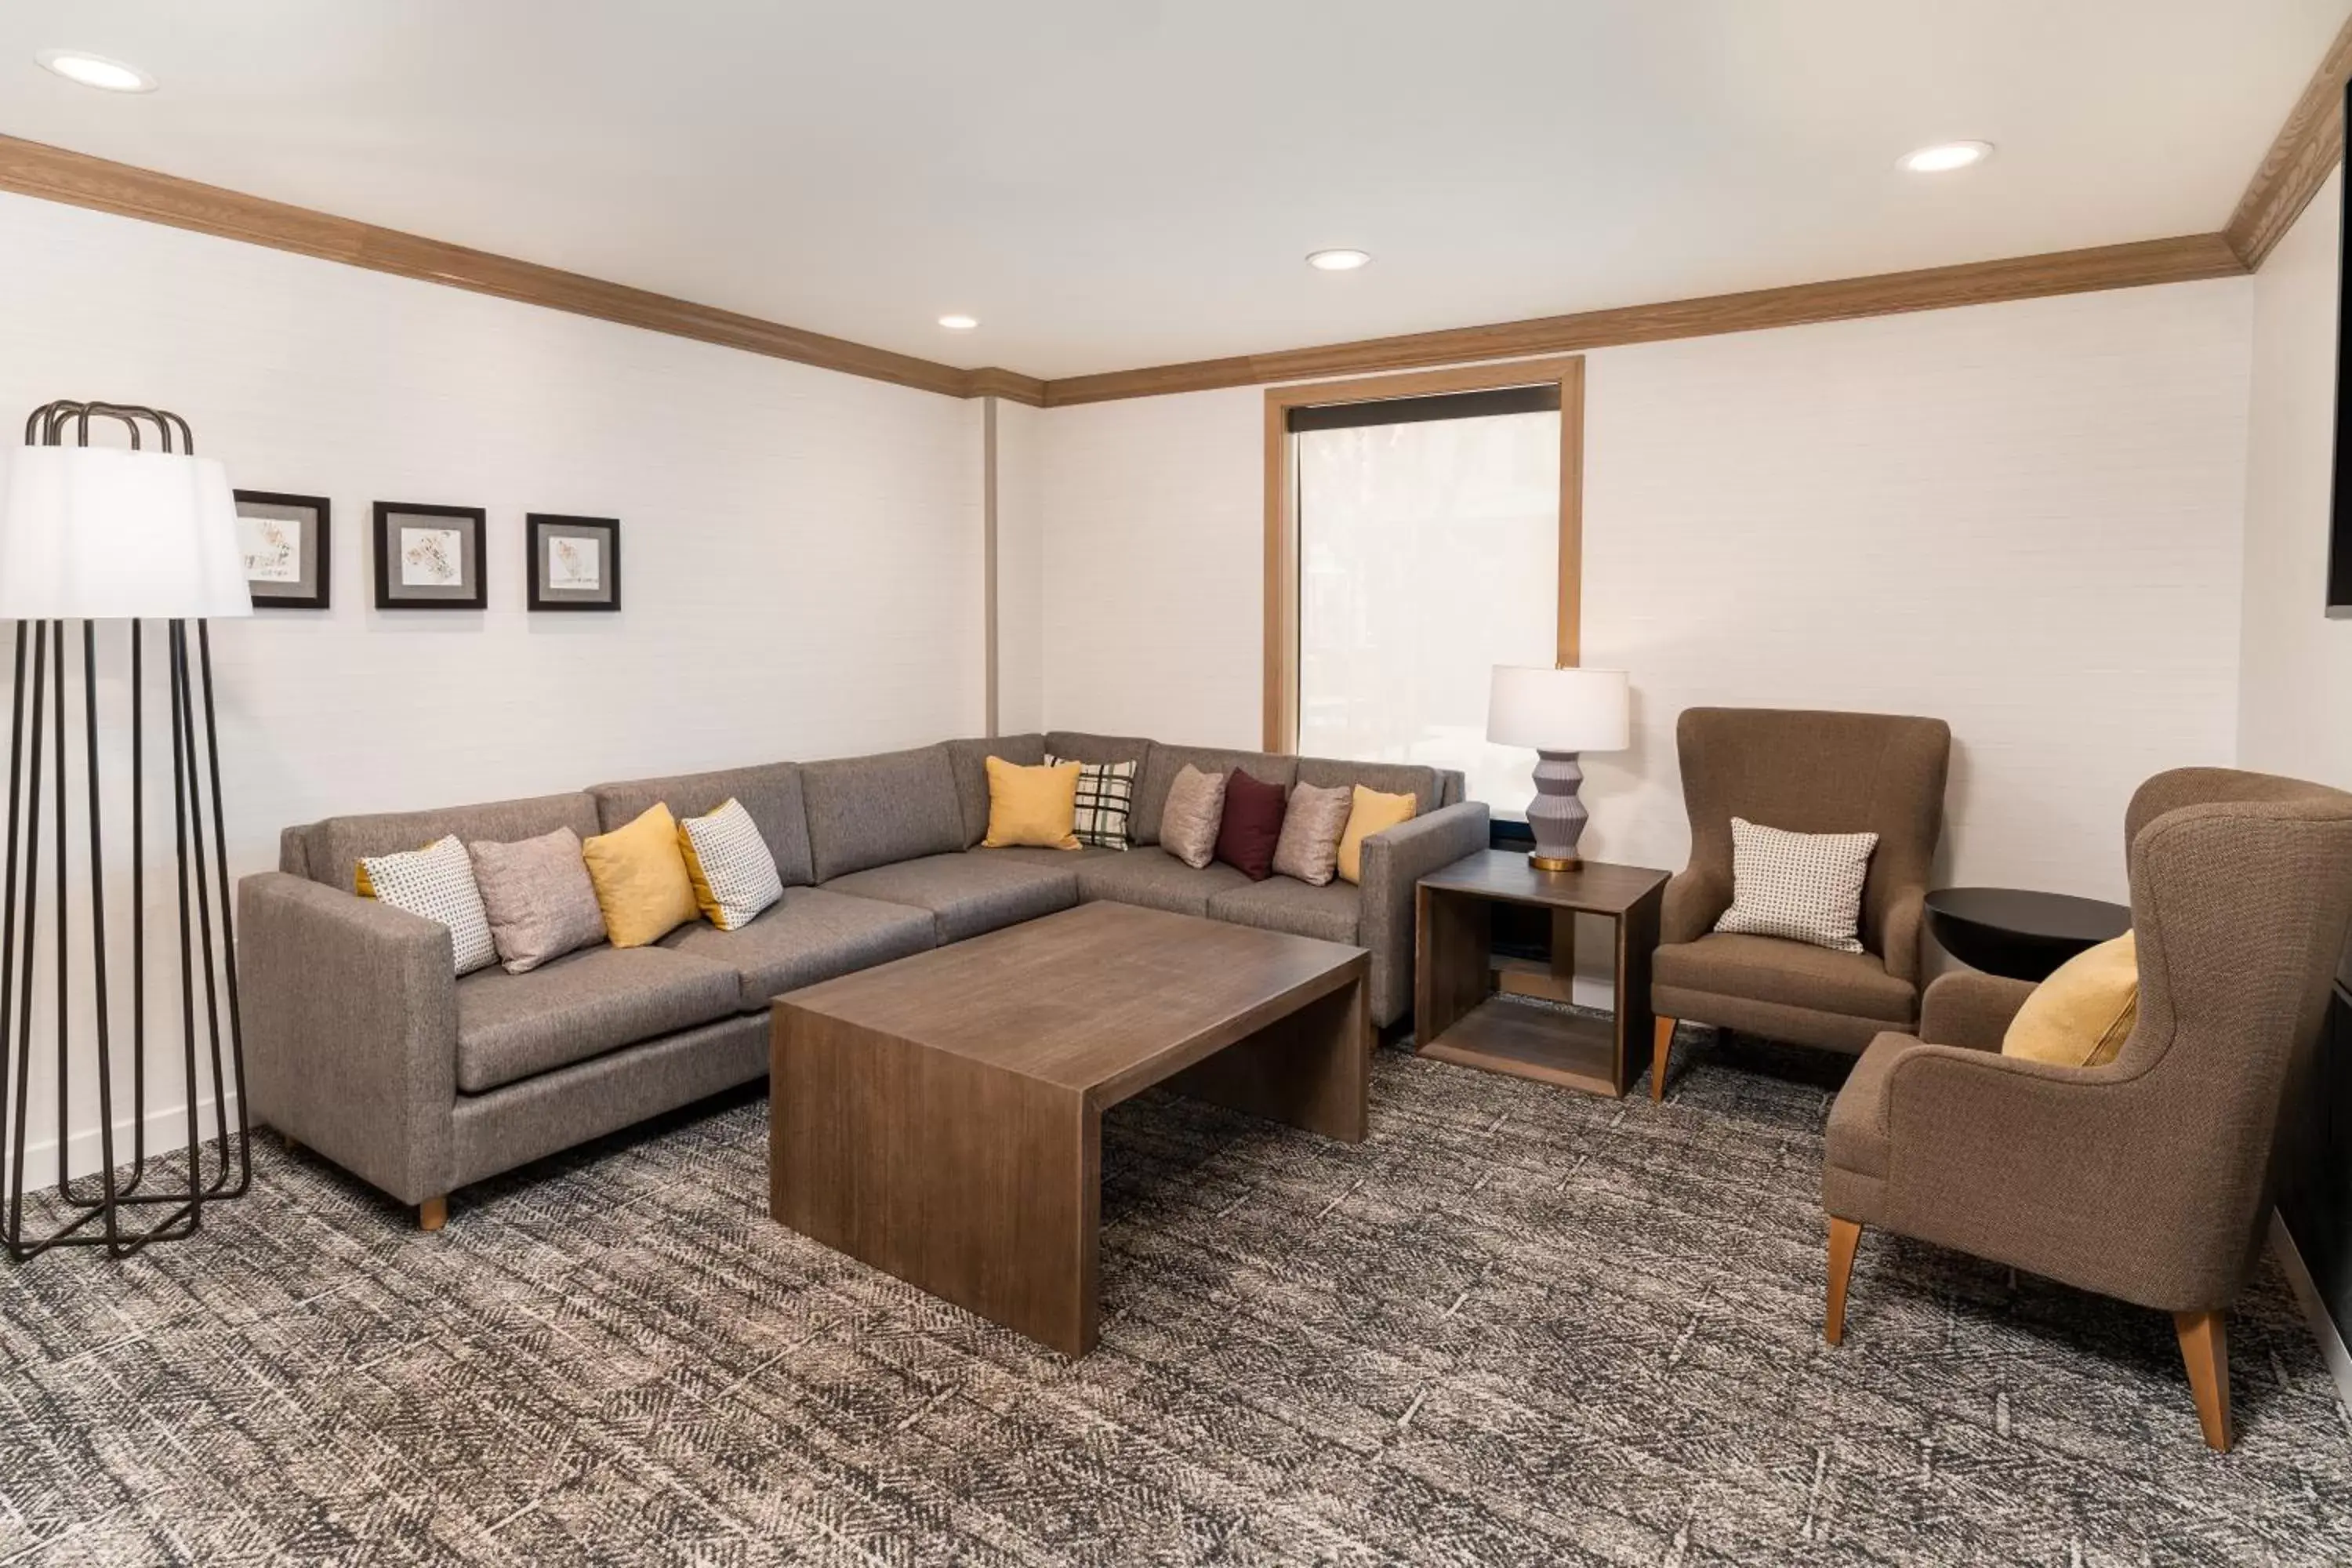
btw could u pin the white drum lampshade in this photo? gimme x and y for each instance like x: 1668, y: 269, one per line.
x: 1559, y: 713
x: 105, y: 533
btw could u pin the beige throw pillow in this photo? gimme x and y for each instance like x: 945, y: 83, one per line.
x: 539, y: 898
x: 1196, y: 804
x: 1309, y: 848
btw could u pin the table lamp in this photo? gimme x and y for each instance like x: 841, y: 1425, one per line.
x: 116, y: 536
x: 1559, y: 713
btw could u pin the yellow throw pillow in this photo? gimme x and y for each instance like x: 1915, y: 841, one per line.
x: 640, y: 878
x: 1032, y: 805
x: 2082, y: 1015
x: 1369, y: 812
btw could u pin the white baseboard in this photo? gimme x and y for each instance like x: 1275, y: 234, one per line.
x: 2323, y: 1324
x: 167, y: 1130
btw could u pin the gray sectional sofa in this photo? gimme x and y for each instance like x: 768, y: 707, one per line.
x: 363, y: 1046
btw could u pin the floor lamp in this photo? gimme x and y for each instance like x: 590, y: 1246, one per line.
x: 96, y: 541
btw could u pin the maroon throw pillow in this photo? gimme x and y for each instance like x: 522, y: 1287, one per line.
x: 1252, y: 825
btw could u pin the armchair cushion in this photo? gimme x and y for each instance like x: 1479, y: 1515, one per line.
x: 1787, y: 974
x: 1806, y: 887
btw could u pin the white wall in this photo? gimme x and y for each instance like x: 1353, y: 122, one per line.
x: 1020, y: 570
x: 1155, y: 546
x: 2023, y: 518
x: 803, y: 550
x: 2295, y: 701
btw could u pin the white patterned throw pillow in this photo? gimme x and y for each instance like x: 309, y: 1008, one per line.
x: 1806, y: 887
x: 734, y: 876
x: 1105, y: 796
x: 437, y: 883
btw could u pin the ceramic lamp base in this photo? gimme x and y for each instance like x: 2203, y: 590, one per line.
x: 1556, y: 816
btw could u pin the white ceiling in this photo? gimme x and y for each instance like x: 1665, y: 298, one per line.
x: 1109, y: 184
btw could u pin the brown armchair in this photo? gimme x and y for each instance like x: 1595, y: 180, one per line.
x: 2149, y: 1178
x: 1807, y: 773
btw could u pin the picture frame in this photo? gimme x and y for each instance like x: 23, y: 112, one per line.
x: 430, y: 557
x: 288, y: 543
x: 572, y: 563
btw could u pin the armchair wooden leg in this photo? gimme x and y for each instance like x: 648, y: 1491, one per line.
x: 1845, y: 1234
x: 2205, y: 1346
x: 433, y: 1213
x: 1662, y: 1047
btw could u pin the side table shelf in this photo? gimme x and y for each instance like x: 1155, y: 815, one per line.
x: 1467, y: 1005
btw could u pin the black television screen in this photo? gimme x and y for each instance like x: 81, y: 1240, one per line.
x: 2339, y: 531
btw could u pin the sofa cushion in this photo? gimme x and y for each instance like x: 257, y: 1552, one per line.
x: 1425, y: 785
x: 871, y: 811
x: 512, y: 1027
x: 1162, y: 763
x: 770, y: 792
x: 969, y: 759
x: 338, y: 843
x: 1251, y: 825
x: 1789, y: 974
x: 1155, y: 881
x: 1075, y: 746
x: 969, y: 891
x: 811, y: 935
x: 1331, y: 912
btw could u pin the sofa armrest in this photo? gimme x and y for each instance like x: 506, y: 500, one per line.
x: 1394, y: 863
x: 1695, y: 898
x: 351, y: 1029
x: 1970, y: 1009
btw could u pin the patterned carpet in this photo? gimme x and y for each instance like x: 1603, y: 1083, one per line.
x: 1518, y: 1325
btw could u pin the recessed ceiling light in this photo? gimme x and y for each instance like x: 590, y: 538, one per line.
x: 959, y: 323
x: 96, y: 71
x: 1338, y: 260
x: 1945, y: 156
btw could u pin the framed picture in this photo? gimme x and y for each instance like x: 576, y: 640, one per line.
x: 428, y: 557
x: 575, y: 562
x: 286, y: 541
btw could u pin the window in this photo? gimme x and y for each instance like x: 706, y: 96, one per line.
x: 1421, y: 531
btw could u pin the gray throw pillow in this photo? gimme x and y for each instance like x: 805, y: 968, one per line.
x: 540, y: 903
x: 1188, y: 825
x: 1803, y: 887
x: 1309, y: 848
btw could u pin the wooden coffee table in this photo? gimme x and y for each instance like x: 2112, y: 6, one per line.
x: 941, y: 1118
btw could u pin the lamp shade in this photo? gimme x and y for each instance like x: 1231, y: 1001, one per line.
x: 99, y: 533
x: 1557, y: 710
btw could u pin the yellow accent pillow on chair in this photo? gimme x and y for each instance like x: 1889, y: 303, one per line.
x: 1369, y: 812
x: 640, y: 880
x: 1032, y: 805
x: 2082, y: 1015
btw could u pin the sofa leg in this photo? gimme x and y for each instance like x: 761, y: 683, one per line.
x: 2205, y: 1346
x: 292, y: 1147
x: 1661, y: 1046
x: 1844, y: 1235
x: 433, y: 1213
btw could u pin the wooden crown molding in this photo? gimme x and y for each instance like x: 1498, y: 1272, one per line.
x: 79, y: 180
x: 2180, y: 260
x: 2306, y: 149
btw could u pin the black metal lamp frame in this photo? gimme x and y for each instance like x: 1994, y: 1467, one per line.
x: 167, y: 1193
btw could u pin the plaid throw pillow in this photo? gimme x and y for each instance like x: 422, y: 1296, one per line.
x: 1106, y: 795
x: 1806, y: 887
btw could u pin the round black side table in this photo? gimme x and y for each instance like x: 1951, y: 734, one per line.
x: 2021, y: 934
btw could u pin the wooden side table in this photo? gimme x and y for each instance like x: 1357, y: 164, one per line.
x: 1464, y: 1008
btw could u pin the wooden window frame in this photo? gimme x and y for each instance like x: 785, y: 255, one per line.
x: 1279, y: 715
